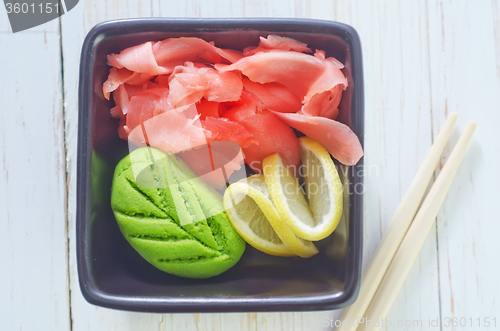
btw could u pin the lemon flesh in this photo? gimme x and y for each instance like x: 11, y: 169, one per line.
x: 315, y: 215
x: 252, y: 214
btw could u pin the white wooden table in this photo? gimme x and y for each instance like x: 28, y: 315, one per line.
x: 422, y: 60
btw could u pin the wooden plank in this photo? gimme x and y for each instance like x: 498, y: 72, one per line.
x: 233, y: 8
x: 211, y: 8
x: 398, y: 111
x: 465, y: 53
x: 33, y: 253
x: 320, y: 9
x: 209, y: 322
x: 75, y: 26
x: 397, y: 133
x: 243, y: 322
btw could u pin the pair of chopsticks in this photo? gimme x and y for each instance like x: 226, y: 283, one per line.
x: 406, y: 234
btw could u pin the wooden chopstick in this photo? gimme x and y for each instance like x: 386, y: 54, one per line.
x: 397, y: 229
x: 416, y: 235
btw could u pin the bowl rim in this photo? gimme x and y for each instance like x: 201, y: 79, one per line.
x: 221, y: 304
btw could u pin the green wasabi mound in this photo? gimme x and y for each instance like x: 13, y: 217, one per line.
x: 171, y: 218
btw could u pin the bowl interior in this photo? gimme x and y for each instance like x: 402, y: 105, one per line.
x: 115, y: 275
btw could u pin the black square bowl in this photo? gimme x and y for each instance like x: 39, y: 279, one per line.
x: 113, y: 275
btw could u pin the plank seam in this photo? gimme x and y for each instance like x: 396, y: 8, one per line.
x: 434, y: 175
x: 66, y: 175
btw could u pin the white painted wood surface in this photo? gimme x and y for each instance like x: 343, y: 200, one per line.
x: 33, y: 240
x: 422, y: 59
x: 468, y: 48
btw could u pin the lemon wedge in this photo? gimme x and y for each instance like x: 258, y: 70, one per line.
x: 315, y: 215
x: 252, y: 214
